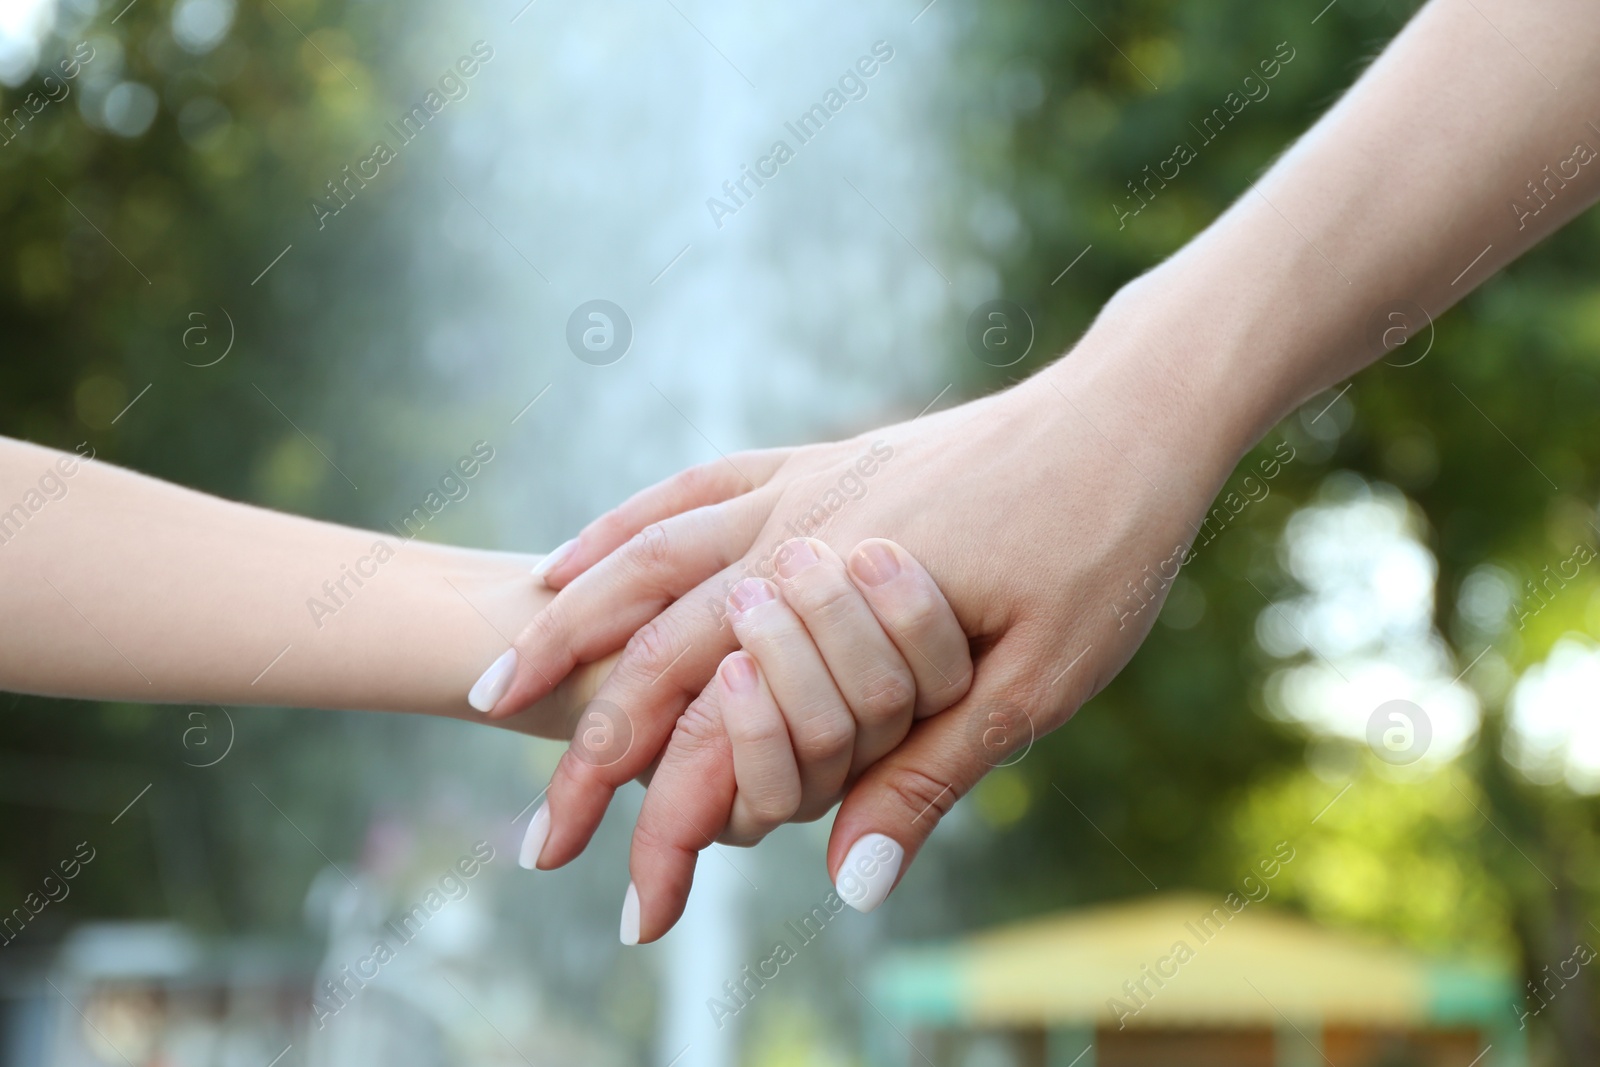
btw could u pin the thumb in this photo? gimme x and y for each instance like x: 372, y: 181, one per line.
x: 894, y: 806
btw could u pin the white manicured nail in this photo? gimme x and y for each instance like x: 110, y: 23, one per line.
x: 561, y: 552
x: 487, y: 690
x: 868, y: 871
x: 630, y: 916
x: 533, y: 840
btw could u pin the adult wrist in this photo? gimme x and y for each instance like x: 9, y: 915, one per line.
x: 1174, y: 409
x: 1217, y: 344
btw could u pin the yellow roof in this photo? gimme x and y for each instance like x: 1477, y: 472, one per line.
x: 1183, y: 959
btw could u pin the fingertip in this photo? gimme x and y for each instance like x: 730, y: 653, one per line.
x: 739, y: 674
x: 629, y: 930
x: 876, y: 561
x: 685, y: 807
x: 658, y: 891
x: 492, y: 684
x: 533, y: 841
x: 869, y: 871
x: 576, y: 802
x: 749, y: 593
x: 528, y: 683
x: 891, y: 811
x: 795, y: 556
x: 541, y: 658
x: 552, y: 569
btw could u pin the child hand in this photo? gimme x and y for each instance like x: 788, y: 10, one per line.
x: 837, y: 664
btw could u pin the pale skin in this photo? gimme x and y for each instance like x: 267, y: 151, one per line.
x: 125, y: 587
x: 118, y: 586
x: 1037, y: 507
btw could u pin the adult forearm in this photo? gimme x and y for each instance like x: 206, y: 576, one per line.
x: 120, y: 586
x: 1451, y: 156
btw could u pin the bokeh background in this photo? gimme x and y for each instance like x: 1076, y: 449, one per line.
x: 163, y: 273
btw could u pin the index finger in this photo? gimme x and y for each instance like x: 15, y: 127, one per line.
x: 664, y: 666
x: 709, y: 483
x: 598, y: 611
x: 686, y: 807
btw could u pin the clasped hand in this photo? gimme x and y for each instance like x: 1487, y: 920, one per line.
x: 1034, y: 509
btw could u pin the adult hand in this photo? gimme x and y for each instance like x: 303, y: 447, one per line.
x: 1050, y: 514
x: 1053, y: 517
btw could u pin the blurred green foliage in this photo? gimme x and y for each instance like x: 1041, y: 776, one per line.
x: 113, y: 246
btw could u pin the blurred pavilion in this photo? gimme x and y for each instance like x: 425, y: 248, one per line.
x: 1109, y: 987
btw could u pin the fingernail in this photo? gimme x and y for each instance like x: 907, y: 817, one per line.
x: 750, y: 592
x: 562, y: 551
x: 739, y: 673
x: 874, y: 564
x: 795, y: 557
x: 487, y: 690
x: 868, y: 872
x: 630, y: 916
x: 533, y: 840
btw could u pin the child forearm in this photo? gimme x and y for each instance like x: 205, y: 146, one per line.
x: 115, y: 585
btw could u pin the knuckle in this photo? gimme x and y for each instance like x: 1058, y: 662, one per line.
x: 953, y: 684
x: 743, y: 836
x: 610, y: 528
x: 698, y: 482
x: 824, y: 738
x: 827, y: 600
x: 654, y: 647
x: 649, y: 835
x: 812, y: 810
x: 921, y: 616
x: 757, y: 731
x: 547, y: 630
x: 755, y: 462
x: 650, y: 549
x: 885, y: 696
x: 771, y: 809
x: 574, y: 777
x: 550, y: 635
x: 698, y: 729
x: 921, y: 795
